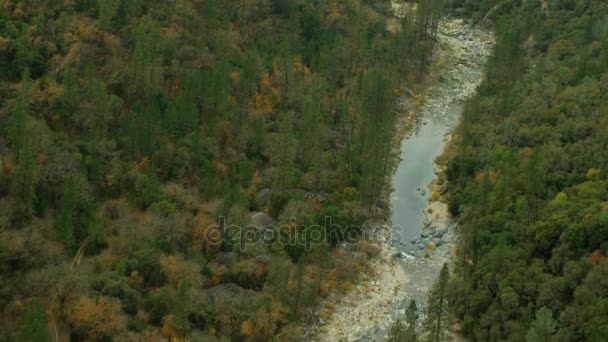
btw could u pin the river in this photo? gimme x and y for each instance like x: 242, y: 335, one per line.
x: 367, y: 312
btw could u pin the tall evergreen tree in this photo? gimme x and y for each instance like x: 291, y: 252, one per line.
x: 70, y: 96
x: 25, y: 180
x: 34, y: 328
x: 377, y: 128
x: 284, y: 153
x: 108, y: 9
x: 65, y: 222
x: 437, y: 307
x: 543, y: 327
x: 406, y: 333
x: 181, y: 311
x: 411, y: 319
x: 17, y: 124
x: 397, y: 332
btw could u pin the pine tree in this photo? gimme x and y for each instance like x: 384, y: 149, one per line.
x: 25, y: 181
x: 34, y: 327
x: 543, y: 327
x: 405, y: 333
x: 65, y: 221
x: 397, y: 332
x: 310, y: 140
x: 437, y: 7
x: 17, y: 124
x: 604, y: 39
x: 70, y: 96
x: 181, y: 311
x: 411, y: 318
x: 284, y: 155
x: 146, y: 71
x: 377, y: 126
x: 300, y: 268
x: 103, y: 106
x: 437, y: 307
x: 107, y: 11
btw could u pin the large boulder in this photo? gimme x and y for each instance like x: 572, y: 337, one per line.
x: 261, y: 220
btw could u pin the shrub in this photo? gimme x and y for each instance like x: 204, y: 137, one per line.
x: 158, y: 304
x: 147, y: 265
x: 145, y: 189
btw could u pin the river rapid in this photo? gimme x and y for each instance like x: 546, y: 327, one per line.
x: 406, y: 267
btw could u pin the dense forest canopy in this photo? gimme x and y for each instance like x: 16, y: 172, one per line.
x: 134, y: 134
x: 128, y: 127
x: 528, y: 181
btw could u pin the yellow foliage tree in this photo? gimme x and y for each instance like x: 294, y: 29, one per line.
x: 95, y: 319
x: 206, y: 234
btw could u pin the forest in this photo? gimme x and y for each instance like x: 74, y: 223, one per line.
x: 528, y: 177
x: 138, y: 138
x: 133, y: 133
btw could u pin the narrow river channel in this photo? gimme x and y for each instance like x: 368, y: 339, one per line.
x: 406, y: 268
x: 467, y: 50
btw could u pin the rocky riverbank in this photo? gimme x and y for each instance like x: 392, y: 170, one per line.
x: 406, y: 270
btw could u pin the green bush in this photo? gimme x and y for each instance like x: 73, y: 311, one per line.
x: 145, y: 189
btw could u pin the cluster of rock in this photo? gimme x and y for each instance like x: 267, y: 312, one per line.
x: 433, y: 237
x: 368, y: 310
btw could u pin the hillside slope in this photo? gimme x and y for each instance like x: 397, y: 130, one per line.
x: 136, y: 137
x: 528, y: 180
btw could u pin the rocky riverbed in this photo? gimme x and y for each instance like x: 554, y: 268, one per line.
x: 421, y: 237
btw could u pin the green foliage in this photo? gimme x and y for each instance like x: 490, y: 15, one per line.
x: 65, y: 225
x: 96, y: 237
x: 405, y: 333
x: 159, y: 304
x: 146, y: 264
x: 107, y: 11
x: 527, y: 182
x: 181, y: 311
x: 34, y: 328
x: 145, y: 189
x: 397, y: 332
x: 111, y: 285
x: 24, y: 181
x: 17, y: 124
x: 437, y: 307
x: 140, y: 116
x: 543, y: 327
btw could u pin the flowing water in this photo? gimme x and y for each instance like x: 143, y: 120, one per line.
x: 434, y: 121
x: 367, y: 312
x: 466, y: 50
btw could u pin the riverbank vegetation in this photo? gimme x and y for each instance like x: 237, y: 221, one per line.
x: 127, y: 128
x: 528, y: 181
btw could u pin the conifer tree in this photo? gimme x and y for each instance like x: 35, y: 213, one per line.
x: 405, y: 333
x: 284, y: 153
x: 69, y: 98
x: 65, y: 221
x: 181, y: 311
x: 543, y: 327
x: 34, y: 327
x: 310, y: 141
x: 25, y: 180
x: 377, y: 127
x: 411, y: 319
x: 107, y: 11
x: 437, y: 307
x: 397, y: 332
x: 604, y: 39
x: 17, y: 124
